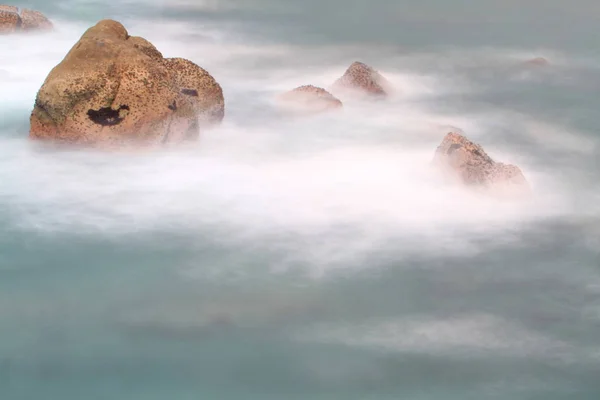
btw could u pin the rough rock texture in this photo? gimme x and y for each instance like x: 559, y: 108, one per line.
x: 469, y: 163
x: 14, y: 19
x: 362, y: 78
x: 9, y: 21
x: 199, y: 86
x: 310, y: 99
x: 113, y: 89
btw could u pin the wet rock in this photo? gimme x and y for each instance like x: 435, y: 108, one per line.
x: 9, y: 21
x: 310, y: 99
x: 361, y: 78
x: 14, y: 19
x: 34, y: 20
x: 198, y: 87
x: 113, y: 89
x: 467, y: 162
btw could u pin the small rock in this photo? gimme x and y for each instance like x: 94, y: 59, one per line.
x: 537, y: 62
x: 34, y: 20
x: 310, y: 99
x: 360, y: 77
x: 467, y: 162
x: 14, y: 19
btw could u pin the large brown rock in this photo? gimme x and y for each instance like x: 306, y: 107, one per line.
x: 113, y: 89
x: 310, y: 99
x: 361, y: 78
x: 14, y: 19
x: 467, y: 162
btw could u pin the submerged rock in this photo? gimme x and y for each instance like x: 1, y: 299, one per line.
x: 310, y: 99
x: 14, y: 19
x: 537, y: 62
x: 467, y: 162
x: 115, y: 89
x: 360, y: 77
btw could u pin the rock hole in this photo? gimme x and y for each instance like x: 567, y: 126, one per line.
x: 173, y: 106
x: 107, y: 116
x: 453, y: 148
x: 190, y: 92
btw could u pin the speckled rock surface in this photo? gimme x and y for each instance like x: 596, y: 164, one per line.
x: 310, y: 99
x: 112, y: 89
x: 199, y: 87
x: 470, y: 164
x: 361, y: 78
x: 14, y: 19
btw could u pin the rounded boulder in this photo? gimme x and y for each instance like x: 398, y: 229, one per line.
x: 309, y: 99
x: 14, y: 19
x: 360, y: 78
x: 113, y: 89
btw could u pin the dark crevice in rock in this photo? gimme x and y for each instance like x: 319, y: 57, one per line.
x: 453, y: 148
x: 478, y: 153
x: 190, y: 92
x: 173, y: 106
x: 42, y: 107
x: 106, y: 116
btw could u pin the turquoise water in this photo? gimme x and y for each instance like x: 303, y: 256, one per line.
x: 312, y: 258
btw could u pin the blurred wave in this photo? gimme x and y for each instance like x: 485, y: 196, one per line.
x: 313, y: 257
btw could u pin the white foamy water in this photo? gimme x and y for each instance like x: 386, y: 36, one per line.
x: 262, y: 170
x: 302, y: 257
x: 469, y: 336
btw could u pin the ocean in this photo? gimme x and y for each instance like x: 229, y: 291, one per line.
x: 287, y: 257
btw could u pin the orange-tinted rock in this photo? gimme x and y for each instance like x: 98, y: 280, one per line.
x: 360, y: 77
x: 145, y: 47
x: 34, y: 20
x: 537, y: 62
x: 310, y: 99
x: 469, y: 164
x: 7, y: 8
x: 112, y: 89
x: 9, y: 21
x: 199, y: 87
x: 14, y: 19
